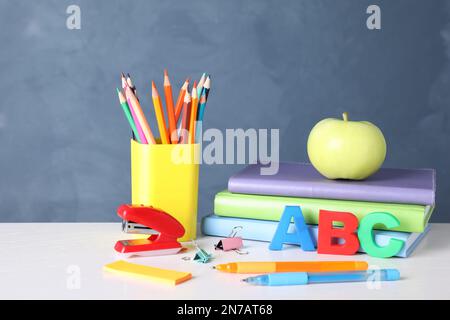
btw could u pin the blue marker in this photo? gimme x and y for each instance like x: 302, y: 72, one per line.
x: 298, y: 278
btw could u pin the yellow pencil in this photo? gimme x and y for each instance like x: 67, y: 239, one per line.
x: 193, y: 119
x: 159, y: 115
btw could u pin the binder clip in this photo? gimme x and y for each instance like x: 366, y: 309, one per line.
x: 165, y: 228
x: 232, y: 242
x: 200, y: 256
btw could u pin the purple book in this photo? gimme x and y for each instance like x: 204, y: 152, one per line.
x: 413, y: 186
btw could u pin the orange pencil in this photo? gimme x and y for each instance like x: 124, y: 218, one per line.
x: 170, y: 109
x: 194, y: 107
x: 140, y: 115
x: 159, y: 115
x: 185, y: 118
x: 180, y: 100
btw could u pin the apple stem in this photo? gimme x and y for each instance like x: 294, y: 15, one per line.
x: 345, y: 116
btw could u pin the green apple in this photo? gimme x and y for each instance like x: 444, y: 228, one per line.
x: 343, y: 149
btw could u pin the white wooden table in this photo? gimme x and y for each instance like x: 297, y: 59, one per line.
x: 65, y: 260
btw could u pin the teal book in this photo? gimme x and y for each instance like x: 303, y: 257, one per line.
x: 412, y: 217
x: 263, y: 230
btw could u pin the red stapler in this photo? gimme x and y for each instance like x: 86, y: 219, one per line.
x: 163, y: 243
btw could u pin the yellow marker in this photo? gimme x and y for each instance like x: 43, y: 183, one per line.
x: 147, y: 272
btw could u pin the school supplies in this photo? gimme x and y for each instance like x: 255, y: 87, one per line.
x: 168, y: 130
x: 193, y: 115
x: 159, y: 115
x: 291, y: 266
x: 165, y: 176
x: 140, y: 116
x: 180, y: 100
x: 409, y: 186
x: 201, y: 110
x: 185, y: 118
x: 231, y: 242
x: 163, y: 243
x: 147, y: 272
x: 126, y: 110
x: 202, y: 256
x: 170, y: 109
x: 301, y: 278
x: 124, y: 81
x: 207, y: 87
x: 200, y: 85
x: 228, y: 244
x: 202, y: 105
x: 136, y: 228
x: 412, y: 217
x: 141, y: 134
x: 131, y: 85
x: 264, y: 230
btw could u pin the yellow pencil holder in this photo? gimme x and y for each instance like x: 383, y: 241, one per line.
x: 165, y: 176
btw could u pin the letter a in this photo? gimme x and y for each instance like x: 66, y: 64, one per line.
x: 374, y: 20
x: 300, y: 236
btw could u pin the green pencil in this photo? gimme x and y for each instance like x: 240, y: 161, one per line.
x: 126, y: 110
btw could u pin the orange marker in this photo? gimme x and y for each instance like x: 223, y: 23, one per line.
x: 292, y: 266
x: 159, y: 115
x: 170, y: 109
x: 194, y: 108
x: 180, y: 100
x: 140, y: 115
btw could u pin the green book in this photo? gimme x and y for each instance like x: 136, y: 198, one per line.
x: 412, y: 217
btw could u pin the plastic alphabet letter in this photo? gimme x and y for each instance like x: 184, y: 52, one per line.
x: 327, y: 240
x: 300, y: 236
x: 368, y: 241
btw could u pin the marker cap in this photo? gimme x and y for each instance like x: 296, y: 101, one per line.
x: 392, y: 274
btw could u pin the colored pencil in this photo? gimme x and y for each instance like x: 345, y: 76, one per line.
x: 126, y: 110
x: 140, y: 116
x: 193, y: 115
x: 201, y: 108
x: 170, y: 109
x: 124, y: 81
x: 200, y: 85
x: 159, y: 112
x: 205, y: 92
x: 207, y: 87
x: 185, y: 118
x: 132, y: 107
x: 131, y: 85
x: 180, y: 100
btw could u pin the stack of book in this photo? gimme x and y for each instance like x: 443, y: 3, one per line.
x: 256, y: 202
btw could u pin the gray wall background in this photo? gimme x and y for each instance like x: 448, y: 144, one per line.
x: 275, y: 64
